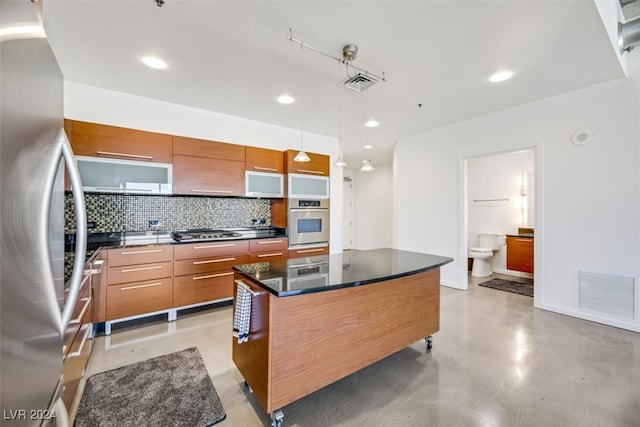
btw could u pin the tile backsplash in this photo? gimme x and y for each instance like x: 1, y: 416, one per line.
x: 132, y: 212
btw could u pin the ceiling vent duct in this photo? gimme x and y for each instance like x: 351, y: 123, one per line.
x: 628, y: 35
x: 359, y: 82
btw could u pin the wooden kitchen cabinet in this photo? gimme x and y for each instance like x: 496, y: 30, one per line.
x: 208, y: 168
x: 203, y: 271
x: 99, y: 285
x: 274, y: 249
x: 520, y: 253
x: 140, y: 280
x: 264, y: 160
x: 211, y: 149
x: 319, y: 164
x: 97, y: 140
x: 77, y: 340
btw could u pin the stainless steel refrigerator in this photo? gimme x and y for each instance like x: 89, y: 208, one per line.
x: 35, y: 302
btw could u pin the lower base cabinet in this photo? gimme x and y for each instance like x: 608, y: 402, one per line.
x: 197, y: 288
x: 135, y: 298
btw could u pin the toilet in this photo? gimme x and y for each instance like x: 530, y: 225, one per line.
x: 482, y: 254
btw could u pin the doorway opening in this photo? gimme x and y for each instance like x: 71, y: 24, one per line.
x: 499, y: 220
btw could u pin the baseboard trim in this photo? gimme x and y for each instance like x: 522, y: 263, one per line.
x: 630, y: 326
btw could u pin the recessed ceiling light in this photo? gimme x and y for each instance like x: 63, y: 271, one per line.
x: 285, y: 99
x: 501, y: 76
x: 371, y: 123
x: 368, y: 147
x: 153, y: 62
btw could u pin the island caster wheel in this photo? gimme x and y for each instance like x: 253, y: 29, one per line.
x: 429, y: 341
x: 277, y: 418
x: 247, y: 386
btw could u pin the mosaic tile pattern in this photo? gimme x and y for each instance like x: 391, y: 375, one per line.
x: 131, y: 212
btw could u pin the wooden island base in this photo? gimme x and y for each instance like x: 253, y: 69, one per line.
x: 299, y: 344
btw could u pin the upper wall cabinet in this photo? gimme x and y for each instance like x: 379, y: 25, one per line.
x: 92, y: 139
x: 319, y: 164
x: 207, y: 168
x: 264, y: 160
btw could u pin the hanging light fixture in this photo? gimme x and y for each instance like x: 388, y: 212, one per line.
x: 339, y: 161
x: 367, y: 166
x: 301, y: 156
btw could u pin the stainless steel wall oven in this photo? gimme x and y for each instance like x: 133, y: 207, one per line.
x: 308, y: 221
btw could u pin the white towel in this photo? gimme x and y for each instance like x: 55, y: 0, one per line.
x: 242, y: 315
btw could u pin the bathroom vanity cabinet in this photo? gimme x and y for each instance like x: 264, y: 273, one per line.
x: 520, y: 253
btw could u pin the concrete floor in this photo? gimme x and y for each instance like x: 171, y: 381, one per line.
x: 496, y: 361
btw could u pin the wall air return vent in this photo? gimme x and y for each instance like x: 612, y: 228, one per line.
x: 359, y: 82
x: 607, y: 295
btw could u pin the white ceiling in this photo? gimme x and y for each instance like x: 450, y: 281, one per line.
x: 233, y: 57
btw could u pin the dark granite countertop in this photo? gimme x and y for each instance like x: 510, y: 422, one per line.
x: 327, y: 272
x: 530, y: 236
x: 120, y: 239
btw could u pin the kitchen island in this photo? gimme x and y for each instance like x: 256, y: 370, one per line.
x: 316, y: 320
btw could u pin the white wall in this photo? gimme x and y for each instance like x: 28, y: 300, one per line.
x: 587, y: 213
x: 372, y: 207
x: 93, y: 104
x: 497, y: 177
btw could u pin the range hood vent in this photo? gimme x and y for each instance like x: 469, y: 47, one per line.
x: 359, y: 82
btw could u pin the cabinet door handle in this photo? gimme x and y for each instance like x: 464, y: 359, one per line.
x: 310, y: 171
x: 228, y: 245
x: 123, y: 189
x: 150, y: 251
x: 212, y: 191
x: 84, y: 340
x: 133, y: 156
x: 260, y: 168
x: 270, y: 242
x: 148, y: 285
x: 269, y: 255
x: 84, y: 309
x: 130, y: 270
x: 306, y: 251
x: 210, y: 276
x: 525, y: 240
x: 209, y: 261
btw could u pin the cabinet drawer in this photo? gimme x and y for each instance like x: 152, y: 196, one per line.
x: 263, y: 245
x: 299, y: 253
x: 76, y: 360
x: 204, y: 265
x: 211, y: 249
x: 197, y: 288
x: 82, y: 307
x: 134, y: 273
x: 131, y: 299
x: 269, y: 256
x: 140, y: 255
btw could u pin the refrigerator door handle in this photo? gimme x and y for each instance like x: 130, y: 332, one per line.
x: 63, y: 150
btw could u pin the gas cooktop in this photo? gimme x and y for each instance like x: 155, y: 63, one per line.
x: 201, y: 234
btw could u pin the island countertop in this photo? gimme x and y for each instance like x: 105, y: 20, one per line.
x: 336, y: 271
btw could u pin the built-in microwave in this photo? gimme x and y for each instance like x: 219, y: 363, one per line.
x: 308, y: 221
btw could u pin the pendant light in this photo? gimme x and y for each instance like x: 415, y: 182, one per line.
x: 367, y: 166
x: 339, y: 161
x: 301, y: 156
